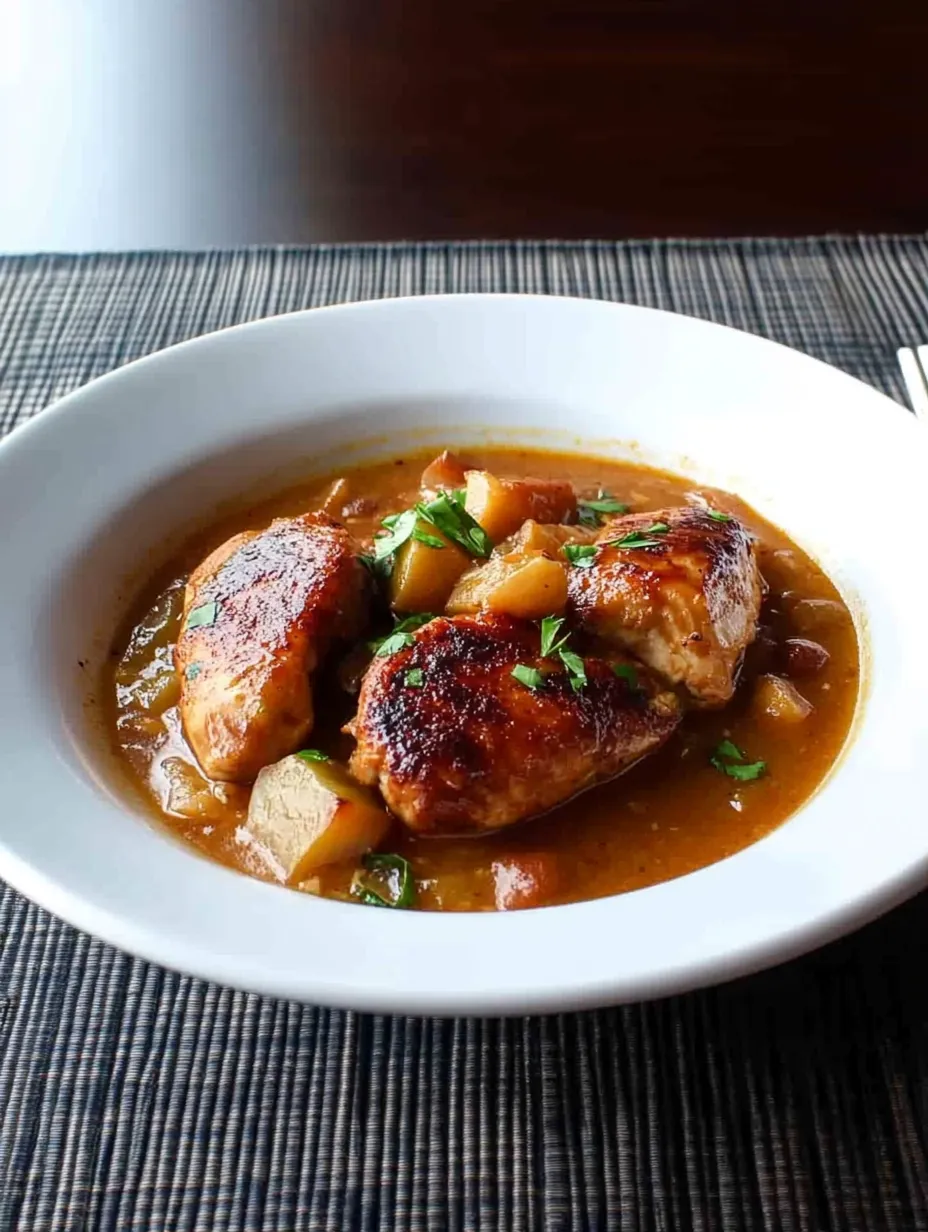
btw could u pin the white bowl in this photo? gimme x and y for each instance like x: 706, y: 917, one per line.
x: 96, y: 492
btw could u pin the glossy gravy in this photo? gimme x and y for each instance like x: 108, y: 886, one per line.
x: 670, y: 815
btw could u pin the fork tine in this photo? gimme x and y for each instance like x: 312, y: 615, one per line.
x: 914, y: 366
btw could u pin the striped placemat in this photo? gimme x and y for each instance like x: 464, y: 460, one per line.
x: 133, y: 1098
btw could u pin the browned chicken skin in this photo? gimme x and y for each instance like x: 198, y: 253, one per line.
x: 259, y: 614
x: 472, y: 749
x: 687, y: 605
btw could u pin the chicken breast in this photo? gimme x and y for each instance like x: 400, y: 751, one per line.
x: 259, y: 614
x: 459, y: 745
x: 686, y: 602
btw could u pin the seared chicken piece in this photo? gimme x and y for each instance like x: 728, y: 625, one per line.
x: 686, y: 603
x: 457, y: 744
x: 259, y: 614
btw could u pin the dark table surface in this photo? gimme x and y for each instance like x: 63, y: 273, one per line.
x: 133, y: 1099
x: 171, y: 123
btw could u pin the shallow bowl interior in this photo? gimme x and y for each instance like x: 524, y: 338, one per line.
x: 98, y: 492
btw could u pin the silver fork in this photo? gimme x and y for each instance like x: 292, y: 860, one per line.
x: 914, y: 364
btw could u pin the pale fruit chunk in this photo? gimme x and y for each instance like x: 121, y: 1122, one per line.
x: 445, y: 474
x: 527, y: 586
x: 306, y: 814
x: 547, y: 537
x: 502, y: 505
x: 775, y: 698
x: 423, y: 576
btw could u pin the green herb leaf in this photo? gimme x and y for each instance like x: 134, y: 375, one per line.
x: 401, y: 636
x: 576, y: 669
x: 550, y: 642
x: 203, y: 616
x: 390, y: 520
x: 393, y: 643
x: 414, y: 678
x: 657, y: 528
x: 629, y: 673
x: 400, y: 529
x: 589, y: 511
x: 431, y: 541
x: 447, y: 514
x: 730, y: 750
x: 635, y: 539
x: 531, y: 677
x: 385, y: 880
x: 459, y: 495
x: 717, y: 516
x: 192, y: 670
x: 729, y: 759
x: 581, y: 555
x: 312, y: 755
x: 745, y: 773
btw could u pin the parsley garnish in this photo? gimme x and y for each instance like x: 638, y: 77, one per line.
x: 635, y: 539
x: 550, y: 642
x: 729, y: 759
x: 203, y: 616
x: 192, y: 670
x: 717, y: 516
x: 399, y: 528
x: 312, y: 755
x: 552, y: 645
x: 581, y: 555
x: 657, y: 528
x: 401, y: 637
x: 414, y: 678
x: 576, y: 670
x: 588, y: 511
x: 531, y: 677
x: 447, y: 514
x: 384, y: 881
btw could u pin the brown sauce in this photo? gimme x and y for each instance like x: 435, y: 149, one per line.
x: 670, y: 815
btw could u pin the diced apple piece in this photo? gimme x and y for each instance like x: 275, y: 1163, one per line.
x: 423, y: 576
x: 776, y: 698
x: 527, y: 880
x: 502, y: 505
x: 548, y: 537
x: 445, y: 474
x: 525, y: 586
x: 306, y: 814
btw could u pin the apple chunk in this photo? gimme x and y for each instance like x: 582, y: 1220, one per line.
x: 306, y: 813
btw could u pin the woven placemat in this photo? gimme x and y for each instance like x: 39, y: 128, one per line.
x: 131, y: 1097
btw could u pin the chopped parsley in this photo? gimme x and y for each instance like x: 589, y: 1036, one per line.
x: 552, y: 645
x: 717, y: 516
x: 384, y: 880
x: 531, y: 677
x: 414, y: 678
x: 636, y: 539
x: 581, y: 555
x: 550, y: 642
x: 729, y: 759
x: 192, y: 670
x: 203, y: 616
x: 312, y: 755
x: 589, y: 511
x: 447, y: 514
x: 399, y: 528
x: 657, y: 528
x: 401, y: 637
x: 576, y: 670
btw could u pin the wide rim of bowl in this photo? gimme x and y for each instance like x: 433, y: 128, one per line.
x: 172, y: 941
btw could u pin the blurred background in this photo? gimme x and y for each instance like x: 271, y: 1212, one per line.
x: 192, y: 123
